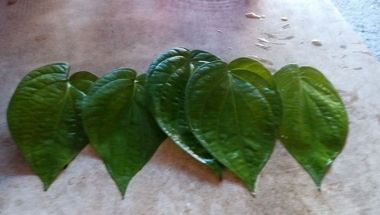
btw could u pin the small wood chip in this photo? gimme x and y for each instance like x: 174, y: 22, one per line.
x: 287, y: 38
x: 262, y: 46
x: 286, y: 26
x: 269, y: 35
x: 253, y: 15
x: 316, y: 42
x: 263, y: 40
x: 277, y: 43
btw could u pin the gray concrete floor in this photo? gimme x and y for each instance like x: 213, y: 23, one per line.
x: 364, y: 16
x: 99, y: 35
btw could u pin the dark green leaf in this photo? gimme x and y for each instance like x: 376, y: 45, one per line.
x: 167, y: 79
x: 45, y: 121
x: 314, y: 124
x: 230, y: 113
x: 252, y: 65
x: 258, y: 68
x: 120, y: 127
x: 83, y: 80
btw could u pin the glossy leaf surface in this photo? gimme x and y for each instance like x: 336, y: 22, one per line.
x: 120, y: 127
x: 252, y: 65
x: 259, y: 69
x: 230, y: 113
x: 45, y: 122
x: 167, y: 79
x: 83, y: 80
x: 314, y: 124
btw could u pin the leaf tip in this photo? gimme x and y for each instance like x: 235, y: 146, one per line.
x: 251, y: 186
x: 46, y: 185
x: 123, y: 195
x: 47, y: 180
x: 121, y: 186
x: 317, y: 178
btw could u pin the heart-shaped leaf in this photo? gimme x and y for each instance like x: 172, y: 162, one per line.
x: 167, y: 79
x: 252, y: 65
x: 315, y: 123
x: 120, y: 127
x: 231, y: 114
x: 45, y: 120
x: 83, y: 80
x: 258, y: 68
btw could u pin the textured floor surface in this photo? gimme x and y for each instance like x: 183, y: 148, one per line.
x: 99, y: 35
x: 364, y: 16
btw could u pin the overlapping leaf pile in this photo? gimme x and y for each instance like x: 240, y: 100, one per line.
x: 225, y: 115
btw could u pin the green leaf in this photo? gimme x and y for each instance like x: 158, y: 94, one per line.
x: 252, y: 65
x: 45, y: 120
x: 259, y: 69
x: 167, y: 79
x: 83, y: 80
x: 315, y: 123
x: 231, y: 114
x: 120, y: 127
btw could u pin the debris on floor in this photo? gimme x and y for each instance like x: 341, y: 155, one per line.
x: 263, y: 46
x: 263, y: 40
x: 253, y: 15
x: 286, y: 26
x: 316, y: 42
x: 262, y: 60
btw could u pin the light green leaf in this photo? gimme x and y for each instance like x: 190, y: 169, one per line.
x: 315, y: 123
x: 45, y: 122
x: 231, y: 114
x: 167, y: 79
x: 120, y: 127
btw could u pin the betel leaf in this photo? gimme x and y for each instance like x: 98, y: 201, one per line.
x: 252, y: 65
x: 45, y: 120
x: 83, y: 80
x: 167, y: 79
x: 258, y: 68
x: 315, y: 123
x: 119, y: 124
x: 231, y: 114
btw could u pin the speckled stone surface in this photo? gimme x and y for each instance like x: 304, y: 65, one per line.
x: 365, y: 19
x: 99, y: 35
